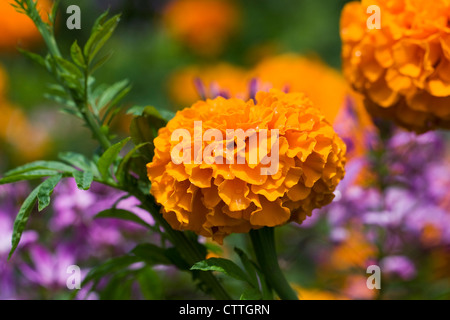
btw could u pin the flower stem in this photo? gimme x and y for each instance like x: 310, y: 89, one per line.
x: 187, y: 247
x: 263, y: 241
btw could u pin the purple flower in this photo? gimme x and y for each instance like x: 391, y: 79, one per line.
x: 49, y: 269
x: 398, y: 265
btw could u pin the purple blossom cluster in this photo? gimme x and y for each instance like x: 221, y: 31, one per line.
x: 399, y: 193
x: 38, y: 269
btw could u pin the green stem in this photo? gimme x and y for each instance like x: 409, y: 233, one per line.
x: 188, y: 249
x: 263, y: 241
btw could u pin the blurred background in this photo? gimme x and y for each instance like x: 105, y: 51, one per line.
x: 392, y: 210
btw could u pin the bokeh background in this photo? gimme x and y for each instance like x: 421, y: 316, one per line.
x: 392, y: 210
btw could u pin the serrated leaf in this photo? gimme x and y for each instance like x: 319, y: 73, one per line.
x: 36, y: 165
x: 83, y: 179
x: 34, y: 57
x: 30, y: 175
x: 71, y: 70
x: 22, y: 219
x: 114, y: 213
x: 101, y: 32
x: 46, y: 190
x: 110, y: 155
x: 77, y: 55
x: 110, y: 93
x: 225, y: 266
x: 79, y: 161
x: 63, y: 101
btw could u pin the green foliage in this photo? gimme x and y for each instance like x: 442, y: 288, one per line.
x: 46, y: 190
x: 257, y: 287
x: 22, y: 219
x: 144, y: 128
x: 123, y: 215
x: 109, y: 157
x: 83, y: 179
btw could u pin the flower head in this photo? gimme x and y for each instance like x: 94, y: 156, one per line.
x: 402, y: 68
x: 231, y: 194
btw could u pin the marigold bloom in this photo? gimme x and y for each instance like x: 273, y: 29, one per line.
x: 289, y: 72
x: 215, y: 200
x: 402, y: 68
x: 204, y: 25
x: 18, y: 29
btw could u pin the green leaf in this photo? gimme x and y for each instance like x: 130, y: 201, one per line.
x: 145, y: 129
x: 34, y: 57
x: 30, y: 175
x: 46, y: 190
x: 78, y: 160
x: 110, y: 266
x: 22, y: 219
x: 249, y: 267
x: 110, y: 155
x: 36, y: 165
x: 83, y: 179
x: 70, y: 69
x: 123, y: 215
x: 100, y: 62
x: 122, y: 169
x: 111, y: 93
x: 77, y: 55
x: 152, y: 254
x: 101, y: 32
x: 150, y: 284
x: 225, y: 266
x: 251, y: 294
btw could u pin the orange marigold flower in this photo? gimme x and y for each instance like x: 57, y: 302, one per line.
x: 217, y: 198
x: 204, y: 25
x: 289, y: 72
x: 18, y: 29
x: 402, y: 68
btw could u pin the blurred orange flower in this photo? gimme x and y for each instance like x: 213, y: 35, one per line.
x: 220, y: 78
x: 203, y: 25
x: 354, y: 252
x: 316, y: 294
x: 403, y: 68
x: 215, y: 200
x: 323, y: 85
x: 18, y: 29
x: 26, y: 141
